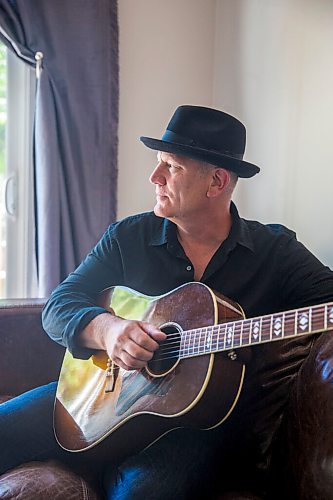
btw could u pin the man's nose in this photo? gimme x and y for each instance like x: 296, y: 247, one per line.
x: 157, y: 176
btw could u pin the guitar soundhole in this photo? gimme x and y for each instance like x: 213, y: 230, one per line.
x: 167, y: 355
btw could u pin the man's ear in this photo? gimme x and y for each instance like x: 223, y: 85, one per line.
x: 220, y: 179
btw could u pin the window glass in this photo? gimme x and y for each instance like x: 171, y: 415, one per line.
x: 3, y: 119
x: 17, y: 231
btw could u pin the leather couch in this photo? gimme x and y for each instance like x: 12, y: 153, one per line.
x: 28, y: 358
x: 304, y: 445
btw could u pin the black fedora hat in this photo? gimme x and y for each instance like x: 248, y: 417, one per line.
x: 208, y: 135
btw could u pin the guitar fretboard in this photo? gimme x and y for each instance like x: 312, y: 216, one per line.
x: 253, y: 331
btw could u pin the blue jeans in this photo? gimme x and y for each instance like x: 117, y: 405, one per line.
x: 172, y: 468
x: 183, y: 464
x: 26, y: 428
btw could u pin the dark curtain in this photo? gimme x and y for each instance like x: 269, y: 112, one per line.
x: 76, y: 118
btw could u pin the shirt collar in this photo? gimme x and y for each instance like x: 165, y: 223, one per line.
x: 164, y: 232
x: 240, y: 232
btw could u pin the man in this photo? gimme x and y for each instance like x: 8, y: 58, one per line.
x: 194, y: 234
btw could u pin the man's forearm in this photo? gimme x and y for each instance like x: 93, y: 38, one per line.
x: 94, y: 334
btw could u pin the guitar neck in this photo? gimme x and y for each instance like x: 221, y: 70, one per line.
x: 254, y: 331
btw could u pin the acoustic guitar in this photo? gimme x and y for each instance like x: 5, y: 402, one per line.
x: 193, y: 380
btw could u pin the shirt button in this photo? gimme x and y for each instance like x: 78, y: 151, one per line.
x: 189, y: 268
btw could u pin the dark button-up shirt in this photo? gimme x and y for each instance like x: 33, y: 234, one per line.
x: 262, y: 267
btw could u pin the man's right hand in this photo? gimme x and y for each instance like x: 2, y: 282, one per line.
x: 129, y: 343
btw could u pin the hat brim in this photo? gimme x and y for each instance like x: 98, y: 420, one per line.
x: 240, y: 167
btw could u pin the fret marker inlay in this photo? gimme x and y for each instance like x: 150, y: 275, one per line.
x: 229, y: 335
x: 330, y: 316
x: 303, y: 321
x: 240, y: 333
x: 277, y: 326
x: 209, y: 340
x: 256, y: 330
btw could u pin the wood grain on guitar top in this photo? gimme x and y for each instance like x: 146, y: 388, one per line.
x: 179, y: 387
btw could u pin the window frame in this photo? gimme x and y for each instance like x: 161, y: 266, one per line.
x: 21, y: 269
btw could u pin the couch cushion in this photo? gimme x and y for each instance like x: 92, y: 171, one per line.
x: 44, y: 480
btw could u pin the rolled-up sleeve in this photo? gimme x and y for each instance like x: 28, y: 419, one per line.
x: 74, y: 303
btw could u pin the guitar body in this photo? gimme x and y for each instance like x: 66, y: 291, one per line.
x: 143, y: 405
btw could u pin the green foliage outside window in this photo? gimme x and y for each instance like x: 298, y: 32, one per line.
x: 3, y: 106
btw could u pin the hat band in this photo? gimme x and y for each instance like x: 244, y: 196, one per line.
x: 170, y: 136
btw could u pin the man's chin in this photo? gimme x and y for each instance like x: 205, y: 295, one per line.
x: 160, y: 211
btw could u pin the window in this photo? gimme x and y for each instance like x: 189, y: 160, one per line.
x: 3, y: 119
x: 17, y: 240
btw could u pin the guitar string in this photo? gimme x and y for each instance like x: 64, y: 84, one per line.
x: 247, y: 321
x: 266, y: 322
x: 175, y: 354
x: 214, y: 328
x: 173, y: 346
x: 220, y: 344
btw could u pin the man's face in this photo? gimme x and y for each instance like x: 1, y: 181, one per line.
x: 181, y: 186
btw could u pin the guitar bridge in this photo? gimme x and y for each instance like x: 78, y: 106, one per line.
x: 111, y: 376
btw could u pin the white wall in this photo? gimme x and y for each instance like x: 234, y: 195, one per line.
x: 166, y: 59
x: 270, y: 63
x: 274, y: 69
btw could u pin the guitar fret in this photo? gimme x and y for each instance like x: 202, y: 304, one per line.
x: 310, y: 320
x: 246, y: 333
x: 250, y: 331
x: 289, y: 324
x: 329, y: 316
x: 199, y: 341
x: 325, y: 317
x: 208, y: 341
x: 186, y: 350
x: 265, y: 329
x: 277, y: 324
x: 318, y: 318
x: 255, y: 331
x: 223, y: 339
x: 192, y: 343
x: 189, y: 344
x: 202, y: 340
x: 229, y: 336
x: 237, y: 334
x: 203, y: 343
x: 182, y: 345
x: 303, y: 322
x: 215, y: 338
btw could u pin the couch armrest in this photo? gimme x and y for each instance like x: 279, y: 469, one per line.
x: 28, y: 358
x: 310, y: 424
